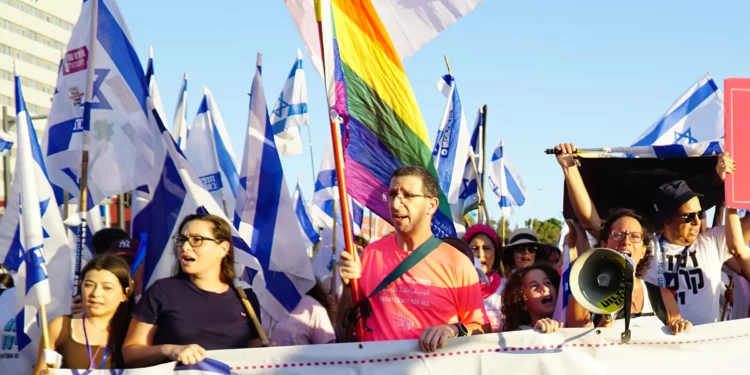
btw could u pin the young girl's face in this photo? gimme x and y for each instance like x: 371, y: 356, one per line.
x: 539, y: 293
x: 102, y: 292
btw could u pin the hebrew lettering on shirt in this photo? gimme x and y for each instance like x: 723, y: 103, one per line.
x: 693, y: 279
x: 672, y: 281
x: 670, y: 263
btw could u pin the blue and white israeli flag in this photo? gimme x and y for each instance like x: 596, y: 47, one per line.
x: 100, y: 96
x: 505, y: 182
x: 180, y: 127
x: 173, y: 193
x: 672, y: 151
x: 327, y: 191
x: 153, y: 88
x: 210, y: 152
x: 6, y: 143
x: 469, y: 192
x: 290, y: 111
x: 451, y: 148
x: 697, y: 116
x: 32, y: 238
x: 303, y: 218
x: 265, y: 210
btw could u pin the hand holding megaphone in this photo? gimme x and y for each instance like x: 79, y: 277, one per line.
x: 601, y: 281
x: 598, y: 278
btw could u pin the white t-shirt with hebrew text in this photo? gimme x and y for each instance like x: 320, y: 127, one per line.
x: 697, y: 279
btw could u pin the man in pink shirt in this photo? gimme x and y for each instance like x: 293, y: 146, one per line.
x: 439, y: 297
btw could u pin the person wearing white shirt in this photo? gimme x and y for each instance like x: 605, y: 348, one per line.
x: 686, y: 261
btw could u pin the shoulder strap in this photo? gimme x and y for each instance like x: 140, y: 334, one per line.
x: 657, y: 302
x: 415, y: 257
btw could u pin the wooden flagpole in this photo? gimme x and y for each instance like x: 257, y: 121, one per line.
x: 333, y: 252
x: 343, y: 196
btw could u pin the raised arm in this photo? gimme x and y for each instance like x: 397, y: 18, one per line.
x: 736, y: 242
x: 727, y: 165
x: 580, y: 200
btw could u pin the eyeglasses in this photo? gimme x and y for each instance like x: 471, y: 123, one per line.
x: 620, y: 236
x: 521, y: 250
x: 406, y: 198
x: 194, y: 241
x: 691, y: 216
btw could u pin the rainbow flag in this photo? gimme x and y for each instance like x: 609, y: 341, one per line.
x: 383, y: 126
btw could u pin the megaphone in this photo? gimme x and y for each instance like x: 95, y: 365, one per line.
x: 598, y: 280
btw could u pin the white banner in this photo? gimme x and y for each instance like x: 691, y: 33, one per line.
x: 708, y: 349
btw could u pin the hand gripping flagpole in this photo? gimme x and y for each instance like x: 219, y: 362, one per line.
x: 82, y: 199
x: 343, y: 196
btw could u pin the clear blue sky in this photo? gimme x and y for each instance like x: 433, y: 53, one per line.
x: 590, y: 72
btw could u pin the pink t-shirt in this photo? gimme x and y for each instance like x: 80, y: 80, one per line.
x: 441, y: 289
x: 307, y: 324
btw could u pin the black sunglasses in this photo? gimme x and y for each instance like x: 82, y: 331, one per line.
x: 691, y: 216
x: 520, y: 250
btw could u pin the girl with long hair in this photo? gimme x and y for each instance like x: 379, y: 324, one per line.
x: 95, y: 339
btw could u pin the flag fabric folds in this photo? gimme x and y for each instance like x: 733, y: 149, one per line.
x: 505, y: 182
x: 290, y: 111
x: 671, y: 151
x: 180, y: 124
x: 303, y: 218
x: 327, y: 191
x: 6, y: 143
x: 210, y: 152
x: 411, y: 24
x: 451, y: 149
x: 468, y: 197
x: 175, y: 192
x: 32, y: 238
x: 384, y: 126
x: 114, y: 121
x: 697, y: 116
x: 265, y: 209
x: 153, y: 89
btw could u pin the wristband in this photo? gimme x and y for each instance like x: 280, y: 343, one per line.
x: 52, y: 358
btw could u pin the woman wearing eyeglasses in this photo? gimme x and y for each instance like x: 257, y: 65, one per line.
x: 625, y: 232
x: 181, y: 317
x: 686, y: 261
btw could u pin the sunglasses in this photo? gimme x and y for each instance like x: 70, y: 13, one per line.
x: 521, y: 250
x: 691, y: 216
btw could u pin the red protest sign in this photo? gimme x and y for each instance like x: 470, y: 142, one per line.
x: 737, y: 139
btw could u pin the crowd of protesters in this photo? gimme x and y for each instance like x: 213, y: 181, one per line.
x: 414, y: 285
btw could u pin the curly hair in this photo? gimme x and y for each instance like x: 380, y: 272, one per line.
x: 642, y: 266
x: 514, y: 302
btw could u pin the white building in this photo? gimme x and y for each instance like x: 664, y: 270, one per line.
x: 34, y: 33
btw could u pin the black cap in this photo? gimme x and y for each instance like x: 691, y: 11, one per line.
x: 671, y: 196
